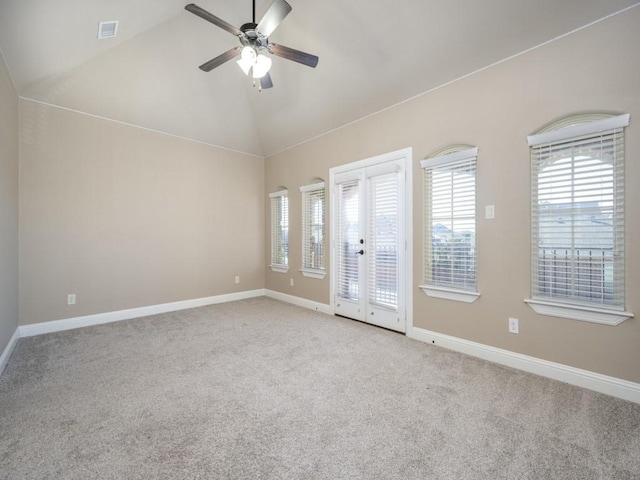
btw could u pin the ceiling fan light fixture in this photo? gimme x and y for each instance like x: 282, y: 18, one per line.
x: 262, y: 66
x: 247, y: 59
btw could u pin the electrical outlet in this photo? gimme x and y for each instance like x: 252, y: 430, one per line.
x: 71, y: 299
x: 237, y: 279
x: 291, y: 282
x: 513, y: 325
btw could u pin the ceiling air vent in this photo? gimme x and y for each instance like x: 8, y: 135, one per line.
x: 108, y: 29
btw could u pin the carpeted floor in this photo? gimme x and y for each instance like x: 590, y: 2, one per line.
x: 262, y: 389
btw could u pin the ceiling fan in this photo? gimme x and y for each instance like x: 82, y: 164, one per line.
x: 254, y: 39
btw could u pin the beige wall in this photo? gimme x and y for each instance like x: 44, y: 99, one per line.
x: 594, y: 69
x: 124, y: 217
x: 8, y: 207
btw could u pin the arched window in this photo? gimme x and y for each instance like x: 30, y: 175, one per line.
x: 279, y: 231
x: 577, y: 215
x: 313, y: 218
x: 450, y: 224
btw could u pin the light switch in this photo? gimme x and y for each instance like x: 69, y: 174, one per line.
x: 490, y: 211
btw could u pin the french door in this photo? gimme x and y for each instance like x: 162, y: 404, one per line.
x: 369, y: 248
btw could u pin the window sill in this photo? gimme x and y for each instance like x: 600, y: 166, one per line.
x: 313, y: 273
x: 279, y: 268
x: 450, y: 293
x: 575, y: 312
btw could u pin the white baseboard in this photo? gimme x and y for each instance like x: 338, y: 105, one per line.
x: 583, y: 378
x: 8, y: 350
x: 557, y: 371
x: 301, y: 302
x: 108, y: 317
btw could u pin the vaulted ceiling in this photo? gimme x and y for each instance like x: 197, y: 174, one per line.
x: 373, y: 54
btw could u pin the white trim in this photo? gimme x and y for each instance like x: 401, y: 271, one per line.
x: 160, y: 132
x: 108, y: 317
x: 615, y: 387
x: 581, y: 130
x: 576, y: 312
x: 300, y: 302
x: 311, y: 273
x: 279, y: 268
x: 15, y: 90
x: 279, y: 193
x: 8, y: 350
x: 450, y: 293
x: 408, y: 239
x: 402, y: 154
x: 459, y: 156
x: 313, y: 187
x: 382, y: 169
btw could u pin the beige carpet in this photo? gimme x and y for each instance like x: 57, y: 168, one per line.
x: 262, y: 389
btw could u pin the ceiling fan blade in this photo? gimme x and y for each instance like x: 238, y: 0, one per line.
x: 220, y: 59
x: 209, y: 17
x: 295, y: 55
x: 265, y: 82
x: 272, y: 18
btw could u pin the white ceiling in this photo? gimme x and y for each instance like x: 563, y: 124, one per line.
x: 373, y: 54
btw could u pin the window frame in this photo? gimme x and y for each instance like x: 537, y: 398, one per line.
x: 279, y: 225
x: 450, y: 156
x: 309, y: 225
x: 569, y: 131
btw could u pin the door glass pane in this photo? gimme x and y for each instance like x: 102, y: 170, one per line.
x: 382, y: 241
x: 348, y: 237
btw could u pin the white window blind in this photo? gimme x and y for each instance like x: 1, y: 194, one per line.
x: 578, y: 214
x: 279, y: 229
x: 382, y: 246
x: 313, y: 208
x: 450, y: 220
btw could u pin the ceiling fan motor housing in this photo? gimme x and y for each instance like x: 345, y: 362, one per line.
x: 252, y: 38
x: 248, y: 26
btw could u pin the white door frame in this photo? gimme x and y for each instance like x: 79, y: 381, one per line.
x: 405, y: 155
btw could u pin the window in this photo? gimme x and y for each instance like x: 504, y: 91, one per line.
x: 313, y: 208
x: 279, y: 231
x: 577, y: 219
x: 450, y: 224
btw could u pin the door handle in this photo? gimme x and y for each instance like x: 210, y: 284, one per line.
x: 361, y: 252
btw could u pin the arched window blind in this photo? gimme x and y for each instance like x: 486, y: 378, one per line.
x: 577, y: 214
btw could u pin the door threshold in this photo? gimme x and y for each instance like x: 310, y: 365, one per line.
x: 370, y: 324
